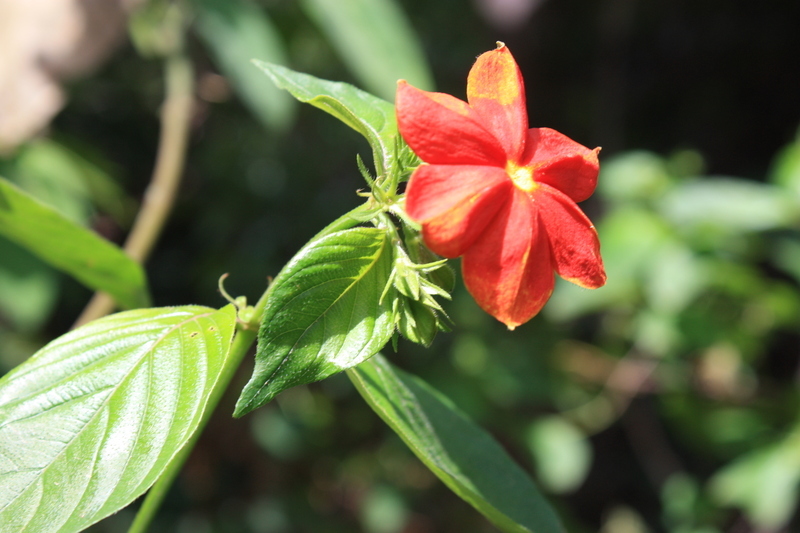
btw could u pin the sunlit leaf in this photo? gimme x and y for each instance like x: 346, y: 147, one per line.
x: 84, y: 255
x: 90, y: 421
x: 238, y: 31
x: 460, y: 453
x: 324, y: 313
x: 375, y: 40
x: 369, y: 115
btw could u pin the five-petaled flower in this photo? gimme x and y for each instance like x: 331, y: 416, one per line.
x: 499, y: 194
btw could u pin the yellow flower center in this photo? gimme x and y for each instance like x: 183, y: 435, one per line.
x: 521, y: 176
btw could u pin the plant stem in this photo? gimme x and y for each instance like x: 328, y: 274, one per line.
x: 160, y: 195
x: 348, y: 220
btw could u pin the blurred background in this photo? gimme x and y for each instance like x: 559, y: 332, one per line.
x: 666, y: 401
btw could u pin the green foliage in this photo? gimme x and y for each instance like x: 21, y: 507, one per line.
x: 68, y: 181
x: 237, y: 31
x: 77, y: 251
x: 460, y: 453
x: 688, y: 294
x: 562, y: 452
x: 91, y: 421
x: 370, y: 116
x: 765, y: 482
x: 786, y: 168
x: 27, y: 287
x: 325, y: 312
x: 375, y: 39
x: 730, y: 205
x: 686, y: 357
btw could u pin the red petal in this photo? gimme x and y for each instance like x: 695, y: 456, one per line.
x: 562, y: 163
x: 496, y: 91
x: 509, y: 269
x: 574, y: 242
x: 455, y: 203
x: 444, y: 130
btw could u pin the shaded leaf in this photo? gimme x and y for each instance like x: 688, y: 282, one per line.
x: 238, y: 31
x: 28, y: 287
x: 324, y: 314
x: 84, y: 255
x: 90, y: 421
x: 459, y: 452
x: 63, y: 178
x: 786, y: 254
x: 44, y: 170
x: 375, y: 40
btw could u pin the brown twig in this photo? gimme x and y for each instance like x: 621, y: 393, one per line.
x: 159, y: 197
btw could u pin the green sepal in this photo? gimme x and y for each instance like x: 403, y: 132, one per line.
x: 418, y: 315
x: 417, y: 322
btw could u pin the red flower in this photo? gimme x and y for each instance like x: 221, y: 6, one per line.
x: 499, y: 194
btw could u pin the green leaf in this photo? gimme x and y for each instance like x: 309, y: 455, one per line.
x: 45, y: 170
x: 786, y: 254
x: 324, y: 314
x: 732, y: 204
x: 28, y: 288
x: 636, y: 175
x: 237, y: 31
x: 376, y: 41
x: 369, y: 115
x: 674, y: 278
x: 763, y: 482
x: 90, y: 421
x: 785, y: 170
x: 460, y: 453
x: 562, y: 452
x: 68, y: 181
x: 84, y: 255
